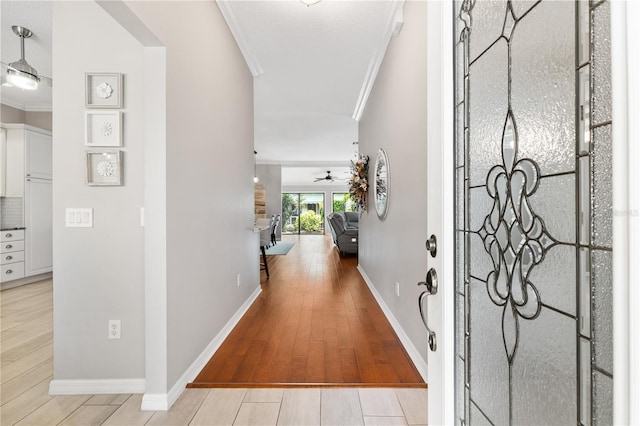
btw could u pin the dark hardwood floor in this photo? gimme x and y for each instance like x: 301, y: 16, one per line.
x: 315, y: 324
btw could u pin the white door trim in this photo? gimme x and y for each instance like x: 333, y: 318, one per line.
x: 440, y: 134
x: 625, y: 66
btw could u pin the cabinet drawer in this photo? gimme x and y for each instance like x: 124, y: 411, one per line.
x: 13, y: 257
x: 10, y: 246
x: 12, y: 271
x: 12, y: 235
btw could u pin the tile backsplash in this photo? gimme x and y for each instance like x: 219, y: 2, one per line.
x: 11, y: 212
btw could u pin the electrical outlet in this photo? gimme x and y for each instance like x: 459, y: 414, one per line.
x: 397, y: 289
x: 114, y: 329
x: 238, y: 280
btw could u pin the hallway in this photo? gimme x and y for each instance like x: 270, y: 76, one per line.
x: 315, y: 324
x: 27, y: 368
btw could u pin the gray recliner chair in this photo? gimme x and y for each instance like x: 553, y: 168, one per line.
x: 344, y: 237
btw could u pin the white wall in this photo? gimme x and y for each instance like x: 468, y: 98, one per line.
x: 270, y: 176
x: 99, y: 271
x: 210, y: 163
x: 204, y: 158
x: 393, y: 250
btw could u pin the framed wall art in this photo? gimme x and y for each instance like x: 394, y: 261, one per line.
x: 103, y: 90
x: 381, y: 184
x: 104, y: 167
x: 103, y: 128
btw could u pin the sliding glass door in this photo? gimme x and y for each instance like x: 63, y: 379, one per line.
x: 303, y: 213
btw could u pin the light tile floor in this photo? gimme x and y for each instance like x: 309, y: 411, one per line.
x: 344, y: 406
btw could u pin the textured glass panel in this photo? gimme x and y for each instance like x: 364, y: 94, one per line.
x: 488, y: 19
x: 602, y: 194
x: 585, y: 381
x: 520, y: 7
x: 584, y: 117
x: 460, y: 325
x: 583, y: 32
x: 480, y: 205
x: 585, y: 200
x: 602, y: 309
x: 487, y: 108
x: 459, y: 72
x: 544, y: 371
x: 554, y: 202
x: 555, y: 278
x: 489, y: 369
x: 601, y: 64
x: 585, y: 292
x: 480, y: 263
x: 602, y: 399
x: 543, y: 86
x: 460, y: 197
x: 460, y: 271
x: 476, y: 417
x: 460, y: 135
x: 460, y: 387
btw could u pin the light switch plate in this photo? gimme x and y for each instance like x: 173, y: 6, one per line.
x: 78, y: 218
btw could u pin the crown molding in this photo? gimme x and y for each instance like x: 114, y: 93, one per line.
x: 226, y: 8
x: 393, y: 26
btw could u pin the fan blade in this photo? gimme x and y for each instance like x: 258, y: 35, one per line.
x: 318, y: 179
x: 45, y: 81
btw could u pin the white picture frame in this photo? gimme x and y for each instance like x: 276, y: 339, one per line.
x: 104, y: 167
x: 102, y: 128
x: 103, y: 90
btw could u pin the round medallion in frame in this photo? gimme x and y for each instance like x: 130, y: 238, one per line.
x: 381, y: 184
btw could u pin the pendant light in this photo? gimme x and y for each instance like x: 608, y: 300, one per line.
x: 310, y: 2
x: 255, y: 167
x: 20, y: 73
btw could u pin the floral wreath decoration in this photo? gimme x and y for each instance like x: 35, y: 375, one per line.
x: 358, y: 184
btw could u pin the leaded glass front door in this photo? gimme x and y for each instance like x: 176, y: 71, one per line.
x: 533, y: 212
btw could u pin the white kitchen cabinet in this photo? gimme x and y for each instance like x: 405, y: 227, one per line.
x: 3, y: 161
x: 38, y: 155
x: 14, y: 161
x: 11, y: 255
x: 28, y: 154
x: 28, y: 173
x: 39, y: 226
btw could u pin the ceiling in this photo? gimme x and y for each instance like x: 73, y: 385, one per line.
x: 313, y: 68
x: 35, y: 15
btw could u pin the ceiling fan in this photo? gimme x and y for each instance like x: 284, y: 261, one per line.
x: 327, y: 178
x: 19, y: 73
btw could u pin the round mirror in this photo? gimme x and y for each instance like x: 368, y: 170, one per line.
x: 381, y: 184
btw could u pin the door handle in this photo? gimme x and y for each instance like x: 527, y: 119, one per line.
x: 431, y: 282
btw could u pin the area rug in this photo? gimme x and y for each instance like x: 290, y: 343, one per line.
x: 282, y: 247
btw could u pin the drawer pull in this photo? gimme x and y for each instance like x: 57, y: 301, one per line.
x: 9, y: 235
x: 8, y: 246
x: 9, y: 271
x: 8, y: 257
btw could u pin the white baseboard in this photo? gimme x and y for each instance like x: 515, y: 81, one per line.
x: 412, y: 351
x: 162, y: 402
x: 94, y: 387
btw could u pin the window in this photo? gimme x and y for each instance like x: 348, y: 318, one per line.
x: 343, y: 203
x: 302, y: 213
